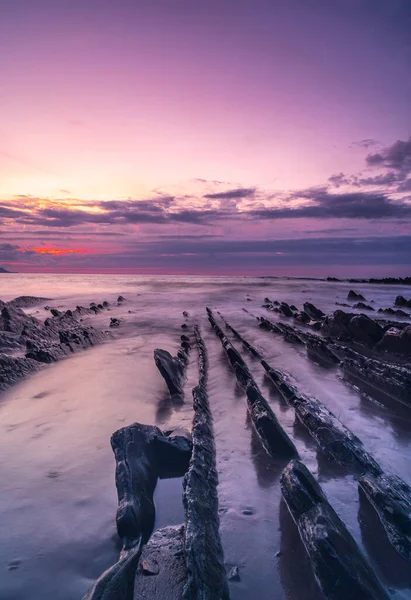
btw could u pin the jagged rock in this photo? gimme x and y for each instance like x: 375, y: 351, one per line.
x: 318, y: 349
x: 340, y: 568
x: 55, y: 312
x: 247, y: 345
x: 27, y: 301
x: 391, y: 498
x: 362, y: 306
x: 354, y: 296
x: 106, y: 304
x: 114, y: 322
x: 396, y: 341
x: 204, y: 553
x: 285, y: 309
x: 331, y: 435
x: 293, y: 307
x: 350, y: 326
x: 162, y: 573
x: 12, y: 369
x: 14, y: 320
x: 313, y: 312
x: 172, y: 369
x: 365, y: 330
x: 120, y: 299
x: 143, y: 453
x: 117, y: 583
x: 274, y: 439
x: 10, y: 342
x: 401, y: 301
x: 303, y: 317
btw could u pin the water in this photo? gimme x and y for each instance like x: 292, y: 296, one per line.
x: 58, y: 500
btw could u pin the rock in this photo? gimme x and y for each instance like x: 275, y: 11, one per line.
x: 247, y: 512
x: 313, y: 312
x: 362, y: 306
x: 391, y: 498
x: 172, y: 369
x: 401, y: 301
x: 293, y: 307
x: 120, y: 299
x: 285, y: 309
x: 114, y: 322
x: 136, y: 479
x: 274, y: 439
x: 117, y: 583
x: 354, y: 296
x: 365, y: 330
x: 234, y: 574
x: 331, y: 435
x: 204, y: 552
x: 337, y: 325
x: 303, y: 317
x: 12, y: 369
x: 165, y: 553
x: 184, y: 326
x: 396, y: 341
x: 317, y: 325
x: 340, y: 568
x: 14, y: 320
x: 27, y: 301
x: 185, y: 313
x: 349, y: 326
x: 246, y: 344
x: 106, y: 304
x: 149, y: 566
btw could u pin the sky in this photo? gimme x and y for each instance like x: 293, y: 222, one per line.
x: 215, y: 137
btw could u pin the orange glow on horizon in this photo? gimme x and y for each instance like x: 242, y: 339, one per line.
x: 56, y: 251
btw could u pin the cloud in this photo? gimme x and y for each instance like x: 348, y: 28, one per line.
x: 328, y: 205
x: 367, y: 143
x: 232, y: 194
x: 11, y: 252
x: 397, y: 157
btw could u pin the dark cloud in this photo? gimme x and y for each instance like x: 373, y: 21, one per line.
x: 232, y: 194
x: 340, y: 179
x: 397, y: 157
x: 367, y: 143
x: 382, y: 180
x: 351, y: 205
x: 11, y: 252
x: 405, y: 186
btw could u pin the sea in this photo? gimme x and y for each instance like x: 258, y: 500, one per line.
x: 58, y: 497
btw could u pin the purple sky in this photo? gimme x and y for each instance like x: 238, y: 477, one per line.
x: 192, y: 136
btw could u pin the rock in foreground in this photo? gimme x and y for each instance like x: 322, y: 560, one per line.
x: 339, y: 566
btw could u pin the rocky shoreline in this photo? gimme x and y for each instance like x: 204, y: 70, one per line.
x: 186, y: 561
x: 27, y: 342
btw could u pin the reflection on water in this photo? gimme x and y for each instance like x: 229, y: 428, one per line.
x: 58, y: 502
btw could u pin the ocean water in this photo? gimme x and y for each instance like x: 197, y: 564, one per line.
x: 58, y: 498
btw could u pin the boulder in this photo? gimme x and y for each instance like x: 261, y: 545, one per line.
x: 401, y: 301
x: 396, y: 341
x: 354, y: 296
x: 286, y: 309
x: 313, y: 312
x: 362, y: 306
x: 365, y: 330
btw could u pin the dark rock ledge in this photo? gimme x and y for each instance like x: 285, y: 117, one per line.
x: 27, y: 342
x: 273, y: 437
x: 172, y: 368
x: 389, y: 494
x: 339, y: 566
